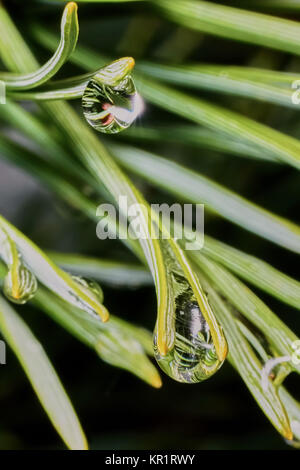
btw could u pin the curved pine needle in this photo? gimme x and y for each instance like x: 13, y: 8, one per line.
x: 82, y: 56
x: 72, y: 88
x: 42, y: 376
x: 73, y: 291
x: 68, y: 41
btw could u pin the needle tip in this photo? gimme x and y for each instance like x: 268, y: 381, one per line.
x: 103, y: 313
x: 156, y: 382
x: 72, y: 6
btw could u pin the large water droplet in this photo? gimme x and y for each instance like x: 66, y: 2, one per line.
x: 20, y: 284
x: 193, y: 356
x: 111, y: 109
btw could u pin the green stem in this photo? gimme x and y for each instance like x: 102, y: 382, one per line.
x: 69, y: 36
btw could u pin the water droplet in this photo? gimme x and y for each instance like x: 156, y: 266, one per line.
x: 20, y: 284
x: 193, y: 357
x: 90, y: 287
x: 110, y: 103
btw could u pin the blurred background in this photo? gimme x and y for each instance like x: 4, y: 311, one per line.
x: 117, y: 410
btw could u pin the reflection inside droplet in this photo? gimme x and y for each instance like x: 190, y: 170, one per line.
x: 90, y: 287
x: 20, y: 285
x: 111, y: 109
x: 193, y: 357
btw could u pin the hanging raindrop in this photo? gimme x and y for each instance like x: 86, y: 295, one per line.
x: 192, y: 357
x: 20, y: 284
x: 110, y: 101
